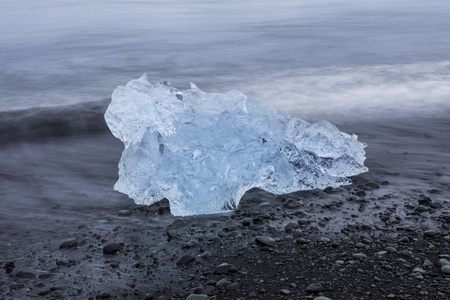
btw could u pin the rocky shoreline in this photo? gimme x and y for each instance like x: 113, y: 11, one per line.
x: 307, y: 245
x: 386, y: 236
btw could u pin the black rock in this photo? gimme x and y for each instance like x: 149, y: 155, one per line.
x: 26, y: 273
x: 360, y: 193
x: 265, y: 241
x: 70, y: 243
x: 436, y: 205
x: 185, y: 259
x: 314, y: 288
x: 373, y: 185
x: 9, y: 267
x: 223, y: 283
x: 111, y: 248
x: 430, y: 233
x: 224, y: 269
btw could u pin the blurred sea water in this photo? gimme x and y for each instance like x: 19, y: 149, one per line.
x: 312, y: 58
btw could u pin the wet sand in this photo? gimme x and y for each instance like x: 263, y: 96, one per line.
x: 384, y: 237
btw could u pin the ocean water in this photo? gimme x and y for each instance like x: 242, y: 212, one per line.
x: 317, y: 59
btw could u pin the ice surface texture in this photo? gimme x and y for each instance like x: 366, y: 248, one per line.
x: 203, y: 151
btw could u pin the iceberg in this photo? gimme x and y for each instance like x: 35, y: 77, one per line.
x: 203, y: 151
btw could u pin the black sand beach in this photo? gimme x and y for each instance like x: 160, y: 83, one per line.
x: 66, y: 234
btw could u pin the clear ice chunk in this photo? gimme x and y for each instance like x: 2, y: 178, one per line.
x: 203, y: 151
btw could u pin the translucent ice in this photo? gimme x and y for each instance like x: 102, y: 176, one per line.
x: 203, y: 151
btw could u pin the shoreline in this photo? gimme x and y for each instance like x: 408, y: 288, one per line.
x: 363, y: 241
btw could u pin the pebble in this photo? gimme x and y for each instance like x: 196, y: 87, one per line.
x: 390, y: 249
x: 420, y: 208
x: 291, y: 225
x: 197, y: 297
x: 431, y: 233
x: 124, y: 213
x: 265, y: 240
x: 205, y: 255
x: 321, y: 298
x: 359, y: 256
x: 446, y: 269
x: 178, y: 223
x: 436, y: 205
x: 427, y: 263
x: 444, y: 262
x: 285, y: 292
x: 373, y: 185
x: 111, y: 248
x: 224, y: 269
x: 302, y: 241
x: 185, y: 259
x: 70, y: 243
x: 325, y: 240
x: 314, y: 288
x: 222, y: 283
x: 419, y: 270
x: 57, y: 294
x: 252, y: 295
x: 26, y: 273
x: 303, y: 221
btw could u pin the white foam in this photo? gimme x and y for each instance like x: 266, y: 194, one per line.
x: 362, y: 92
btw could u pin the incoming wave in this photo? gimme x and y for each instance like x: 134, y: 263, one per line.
x: 358, y: 93
x: 38, y: 123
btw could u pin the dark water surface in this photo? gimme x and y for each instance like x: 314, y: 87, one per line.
x: 356, y: 54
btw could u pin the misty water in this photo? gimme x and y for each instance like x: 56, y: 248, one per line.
x: 315, y: 59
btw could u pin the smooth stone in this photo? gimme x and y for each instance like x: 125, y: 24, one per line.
x: 427, y: 263
x: 390, y: 249
x: 302, y: 241
x: 70, y: 243
x: 431, y: 233
x: 419, y: 270
x: 185, y: 259
x: 372, y: 185
x: 197, y: 297
x: 325, y: 240
x: 222, y: 283
x: 265, y: 240
x: 359, y: 256
x: 57, y: 294
x: 285, y: 291
x: 177, y: 223
x: 446, y: 269
x: 321, y: 298
x: 314, y: 288
x: 291, y: 225
x: 444, y: 262
x: 111, y: 248
x: 223, y: 269
x: 436, y: 205
x: 205, y: 255
x: 26, y: 273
